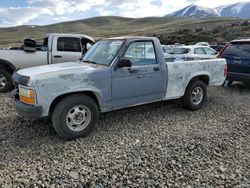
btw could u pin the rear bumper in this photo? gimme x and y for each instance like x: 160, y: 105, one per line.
x: 25, y: 110
x: 242, y: 77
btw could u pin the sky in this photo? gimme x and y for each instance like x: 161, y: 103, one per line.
x: 44, y: 12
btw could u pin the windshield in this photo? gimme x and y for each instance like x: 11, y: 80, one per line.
x: 103, y: 52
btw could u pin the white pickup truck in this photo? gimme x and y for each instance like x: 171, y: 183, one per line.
x: 56, y: 48
x: 115, y: 73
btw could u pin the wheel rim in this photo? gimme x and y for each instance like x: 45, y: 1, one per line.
x: 197, y: 95
x: 78, y: 118
x: 3, y: 81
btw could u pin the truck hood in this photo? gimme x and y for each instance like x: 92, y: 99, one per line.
x: 46, y: 71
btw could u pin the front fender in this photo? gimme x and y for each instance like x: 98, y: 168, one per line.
x: 95, y: 91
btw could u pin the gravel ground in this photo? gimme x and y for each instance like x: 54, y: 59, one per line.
x: 155, y: 145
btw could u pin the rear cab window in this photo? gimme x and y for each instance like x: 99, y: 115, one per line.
x: 69, y: 44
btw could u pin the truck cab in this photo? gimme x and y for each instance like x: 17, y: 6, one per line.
x: 55, y: 48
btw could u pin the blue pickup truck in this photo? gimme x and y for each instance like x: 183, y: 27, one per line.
x: 115, y: 73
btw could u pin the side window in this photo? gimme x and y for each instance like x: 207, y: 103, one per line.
x: 209, y: 51
x: 141, y: 53
x: 199, y: 51
x: 69, y: 44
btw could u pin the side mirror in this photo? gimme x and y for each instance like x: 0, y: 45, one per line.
x: 124, y: 63
x: 29, y: 45
x: 89, y: 46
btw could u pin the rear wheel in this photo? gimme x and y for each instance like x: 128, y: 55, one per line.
x: 6, y: 83
x: 75, y: 116
x: 195, y: 95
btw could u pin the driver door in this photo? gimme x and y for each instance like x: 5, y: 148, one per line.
x: 143, y: 82
x: 66, y: 49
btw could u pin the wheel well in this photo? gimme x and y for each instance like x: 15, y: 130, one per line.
x: 87, y: 93
x: 203, y: 78
x: 7, y: 66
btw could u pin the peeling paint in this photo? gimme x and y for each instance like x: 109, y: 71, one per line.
x: 181, y: 73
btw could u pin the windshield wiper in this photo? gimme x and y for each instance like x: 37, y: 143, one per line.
x: 88, y: 61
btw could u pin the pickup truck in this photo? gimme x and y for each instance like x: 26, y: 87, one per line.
x: 56, y: 48
x: 115, y: 73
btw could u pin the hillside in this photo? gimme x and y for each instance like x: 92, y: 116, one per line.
x: 170, y: 30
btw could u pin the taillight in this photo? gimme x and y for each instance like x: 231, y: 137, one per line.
x: 225, y: 70
x: 221, y: 51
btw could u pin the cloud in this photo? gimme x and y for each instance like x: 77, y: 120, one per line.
x: 52, y: 11
x: 20, y: 15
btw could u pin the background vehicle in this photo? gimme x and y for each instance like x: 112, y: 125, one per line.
x: 219, y: 46
x: 202, y: 44
x: 56, y: 48
x: 189, y: 53
x: 166, y: 48
x: 115, y: 73
x: 237, y: 55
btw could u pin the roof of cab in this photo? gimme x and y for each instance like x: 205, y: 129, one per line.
x: 130, y: 37
x: 241, y: 40
x: 72, y: 35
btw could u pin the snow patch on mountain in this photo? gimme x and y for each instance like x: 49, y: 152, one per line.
x: 240, y: 10
x: 194, y: 11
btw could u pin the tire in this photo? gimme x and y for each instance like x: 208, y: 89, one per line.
x: 75, y: 116
x: 188, y: 101
x: 6, y: 83
x: 227, y: 83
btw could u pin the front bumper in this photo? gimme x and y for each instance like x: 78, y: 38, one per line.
x: 25, y: 110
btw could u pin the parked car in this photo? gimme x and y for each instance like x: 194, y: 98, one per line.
x: 237, y: 55
x: 202, y: 44
x: 115, y: 73
x: 56, y: 48
x: 189, y: 53
x: 219, y: 46
x: 166, y: 49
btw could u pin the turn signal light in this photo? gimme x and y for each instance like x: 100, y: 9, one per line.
x: 27, y: 95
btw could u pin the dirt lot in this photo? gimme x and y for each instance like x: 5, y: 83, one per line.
x: 157, y: 145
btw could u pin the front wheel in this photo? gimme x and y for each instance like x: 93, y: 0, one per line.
x: 75, y: 116
x: 6, y: 83
x: 195, y: 95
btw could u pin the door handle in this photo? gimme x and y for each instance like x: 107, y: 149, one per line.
x: 57, y: 56
x: 156, y: 69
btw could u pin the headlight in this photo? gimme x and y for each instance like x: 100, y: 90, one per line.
x: 27, y: 95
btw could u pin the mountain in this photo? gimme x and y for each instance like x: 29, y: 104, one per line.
x: 240, y: 10
x: 194, y: 11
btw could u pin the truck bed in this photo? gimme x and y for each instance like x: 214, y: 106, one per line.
x: 180, y: 74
